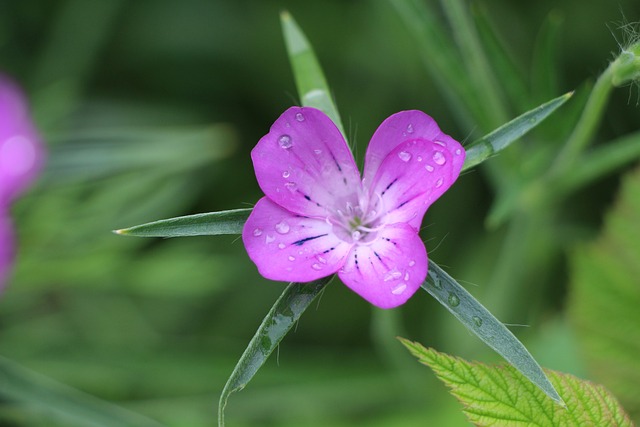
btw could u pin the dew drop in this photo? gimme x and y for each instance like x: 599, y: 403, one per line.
x: 257, y: 232
x: 477, y: 321
x: 453, y: 299
x: 392, y: 274
x: 458, y: 152
x: 316, y: 266
x: 439, y: 158
x: 409, y: 128
x: 439, y: 182
x: 404, y: 156
x: 292, y: 258
x: 285, y: 141
x: 321, y: 259
x: 398, y: 290
x: 419, y: 158
x: 429, y: 168
x: 300, y: 117
x: 282, y: 227
x: 356, y: 235
x: 282, y: 245
x: 406, y: 276
x: 412, y: 263
x: 286, y: 174
x: 440, y: 143
x: 291, y: 186
x: 317, y: 151
x: 269, y: 239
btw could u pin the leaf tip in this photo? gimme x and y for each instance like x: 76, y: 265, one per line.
x: 120, y: 232
x: 285, y: 15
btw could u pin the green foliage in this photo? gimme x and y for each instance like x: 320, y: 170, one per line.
x: 500, y: 396
x: 605, y: 295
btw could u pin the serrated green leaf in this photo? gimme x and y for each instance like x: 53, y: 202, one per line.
x: 475, y: 317
x: 604, y: 298
x: 310, y: 81
x: 62, y: 402
x: 499, y: 139
x: 205, y: 224
x: 277, y: 323
x: 500, y: 396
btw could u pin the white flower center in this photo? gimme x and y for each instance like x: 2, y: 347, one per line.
x: 357, y: 223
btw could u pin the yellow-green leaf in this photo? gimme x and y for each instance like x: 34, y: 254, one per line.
x: 500, y: 396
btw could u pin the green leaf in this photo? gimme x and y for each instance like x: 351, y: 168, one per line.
x: 499, y: 139
x: 63, y: 403
x: 604, y: 297
x: 205, y: 224
x: 500, y: 396
x: 310, y: 81
x: 278, y: 322
x: 475, y: 317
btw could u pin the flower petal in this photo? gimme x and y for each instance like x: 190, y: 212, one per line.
x: 304, y: 164
x: 289, y: 247
x: 412, y: 177
x: 395, y: 130
x: 387, y: 272
x: 21, y: 152
x: 6, y: 248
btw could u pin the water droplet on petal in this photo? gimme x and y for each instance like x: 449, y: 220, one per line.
x: 406, y: 276
x: 453, y: 299
x: 316, y: 266
x: 300, y: 117
x: 392, y: 274
x: 439, y: 158
x: 399, y: 289
x: 286, y: 174
x: 477, y: 321
x: 285, y: 141
x: 291, y: 186
x: 282, y: 227
x: 257, y: 232
x: 404, y: 156
x: 409, y: 128
x: 458, y: 152
x: 317, y: 151
x: 321, y: 259
x: 412, y: 263
x: 419, y: 158
x: 282, y: 245
x: 439, y: 182
x: 429, y: 168
x: 356, y: 235
x: 269, y: 239
x: 292, y: 258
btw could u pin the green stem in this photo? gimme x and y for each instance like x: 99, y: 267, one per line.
x: 587, y: 124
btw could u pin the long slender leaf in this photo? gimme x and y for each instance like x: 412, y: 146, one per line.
x: 277, y: 323
x: 310, y: 81
x: 65, y: 404
x: 500, y: 138
x: 475, y: 317
x: 205, y: 224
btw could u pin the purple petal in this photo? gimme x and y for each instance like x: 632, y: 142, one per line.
x: 6, y: 248
x: 412, y: 177
x: 387, y: 272
x: 289, y: 247
x: 395, y: 130
x: 304, y: 164
x: 21, y: 153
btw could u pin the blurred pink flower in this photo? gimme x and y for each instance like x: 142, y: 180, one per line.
x: 21, y: 158
x: 319, y: 217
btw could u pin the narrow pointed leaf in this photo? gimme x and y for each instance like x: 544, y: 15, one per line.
x: 499, y: 139
x: 205, y: 224
x: 475, y: 317
x: 62, y: 403
x: 310, y: 81
x: 500, y: 396
x: 278, y: 322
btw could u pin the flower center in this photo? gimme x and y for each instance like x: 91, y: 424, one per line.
x: 357, y: 223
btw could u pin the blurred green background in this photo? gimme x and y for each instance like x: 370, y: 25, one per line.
x: 150, y: 110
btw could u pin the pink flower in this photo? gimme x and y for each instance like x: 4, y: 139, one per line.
x: 21, y: 158
x: 319, y: 217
